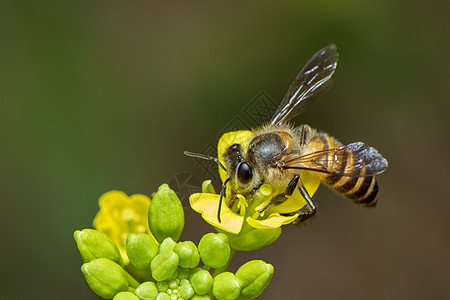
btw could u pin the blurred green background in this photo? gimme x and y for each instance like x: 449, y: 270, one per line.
x: 102, y: 95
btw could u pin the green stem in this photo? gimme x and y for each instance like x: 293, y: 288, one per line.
x: 141, y: 275
x: 131, y: 281
x: 224, y: 268
x: 206, y: 267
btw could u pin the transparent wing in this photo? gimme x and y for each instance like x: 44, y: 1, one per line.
x: 354, y: 160
x: 311, y: 83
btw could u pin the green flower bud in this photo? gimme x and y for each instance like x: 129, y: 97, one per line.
x: 193, y: 271
x: 201, y: 281
x: 105, y: 277
x: 162, y: 286
x: 162, y: 296
x: 186, y: 291
x: 165, y: 215
x: 214, y: 250
x: 226, y: 286
x: 94, y: 244
x: 255, y: 276
x: 188, y: 253
x: 167, y: 245
x: 207, y: 187
x: 164, y: 265
x: 125, y: 296
x: 141, y: 249
x: 173, y: 284
x: 147, y: 291
x: 254, y: 239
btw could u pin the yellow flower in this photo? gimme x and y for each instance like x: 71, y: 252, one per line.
x: 120, y: 215
x: 208, y: 205
x: 244, y: 213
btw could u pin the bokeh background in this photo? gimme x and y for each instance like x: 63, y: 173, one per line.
x: 102, y: 95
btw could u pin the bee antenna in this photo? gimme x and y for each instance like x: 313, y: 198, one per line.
x: 204, y: 156
x: 222, y: 195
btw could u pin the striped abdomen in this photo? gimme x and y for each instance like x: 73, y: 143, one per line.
x: 351, y: 181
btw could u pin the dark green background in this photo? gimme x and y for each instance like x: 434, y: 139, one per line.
x: 102, y: 95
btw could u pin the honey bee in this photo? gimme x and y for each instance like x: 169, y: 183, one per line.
x: 279, y: 153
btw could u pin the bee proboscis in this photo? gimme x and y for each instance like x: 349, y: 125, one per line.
x: 279, y: 153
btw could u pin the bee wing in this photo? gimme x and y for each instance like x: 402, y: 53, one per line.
x: 311, y: 83
x: 364, y: 161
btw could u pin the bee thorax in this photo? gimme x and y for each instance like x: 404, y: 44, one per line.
x: 264, y: 148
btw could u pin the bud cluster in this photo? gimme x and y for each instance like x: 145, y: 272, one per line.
x: 174, y: 270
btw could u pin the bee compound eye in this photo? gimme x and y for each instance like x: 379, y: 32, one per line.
x: 244, y: 172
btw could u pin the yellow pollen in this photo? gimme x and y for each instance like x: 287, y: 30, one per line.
x: 266, y: 189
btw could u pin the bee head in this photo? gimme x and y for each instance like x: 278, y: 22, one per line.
x: 240, y: 170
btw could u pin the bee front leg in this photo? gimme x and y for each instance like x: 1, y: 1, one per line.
x: 280, y: 198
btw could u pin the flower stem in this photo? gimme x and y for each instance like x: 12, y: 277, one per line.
x: 141, y: 275
x: 224, y: 268
x: 206, y: 267
x: 131, y: 281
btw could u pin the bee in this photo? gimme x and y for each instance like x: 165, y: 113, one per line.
x: 279, y: 153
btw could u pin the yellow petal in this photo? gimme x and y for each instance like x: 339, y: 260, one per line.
x: 233, y: 137
x: 105, y: 223
x: 310, y: 181
x: 140, y: 203
x: 208, y: 205
x: 273, y: 221
x: 120, y: 215
x: 113, y: 200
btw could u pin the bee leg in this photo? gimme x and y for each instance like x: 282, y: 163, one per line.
x: 309, y: 209
x: 223, y: 194
x: 280, y: 198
